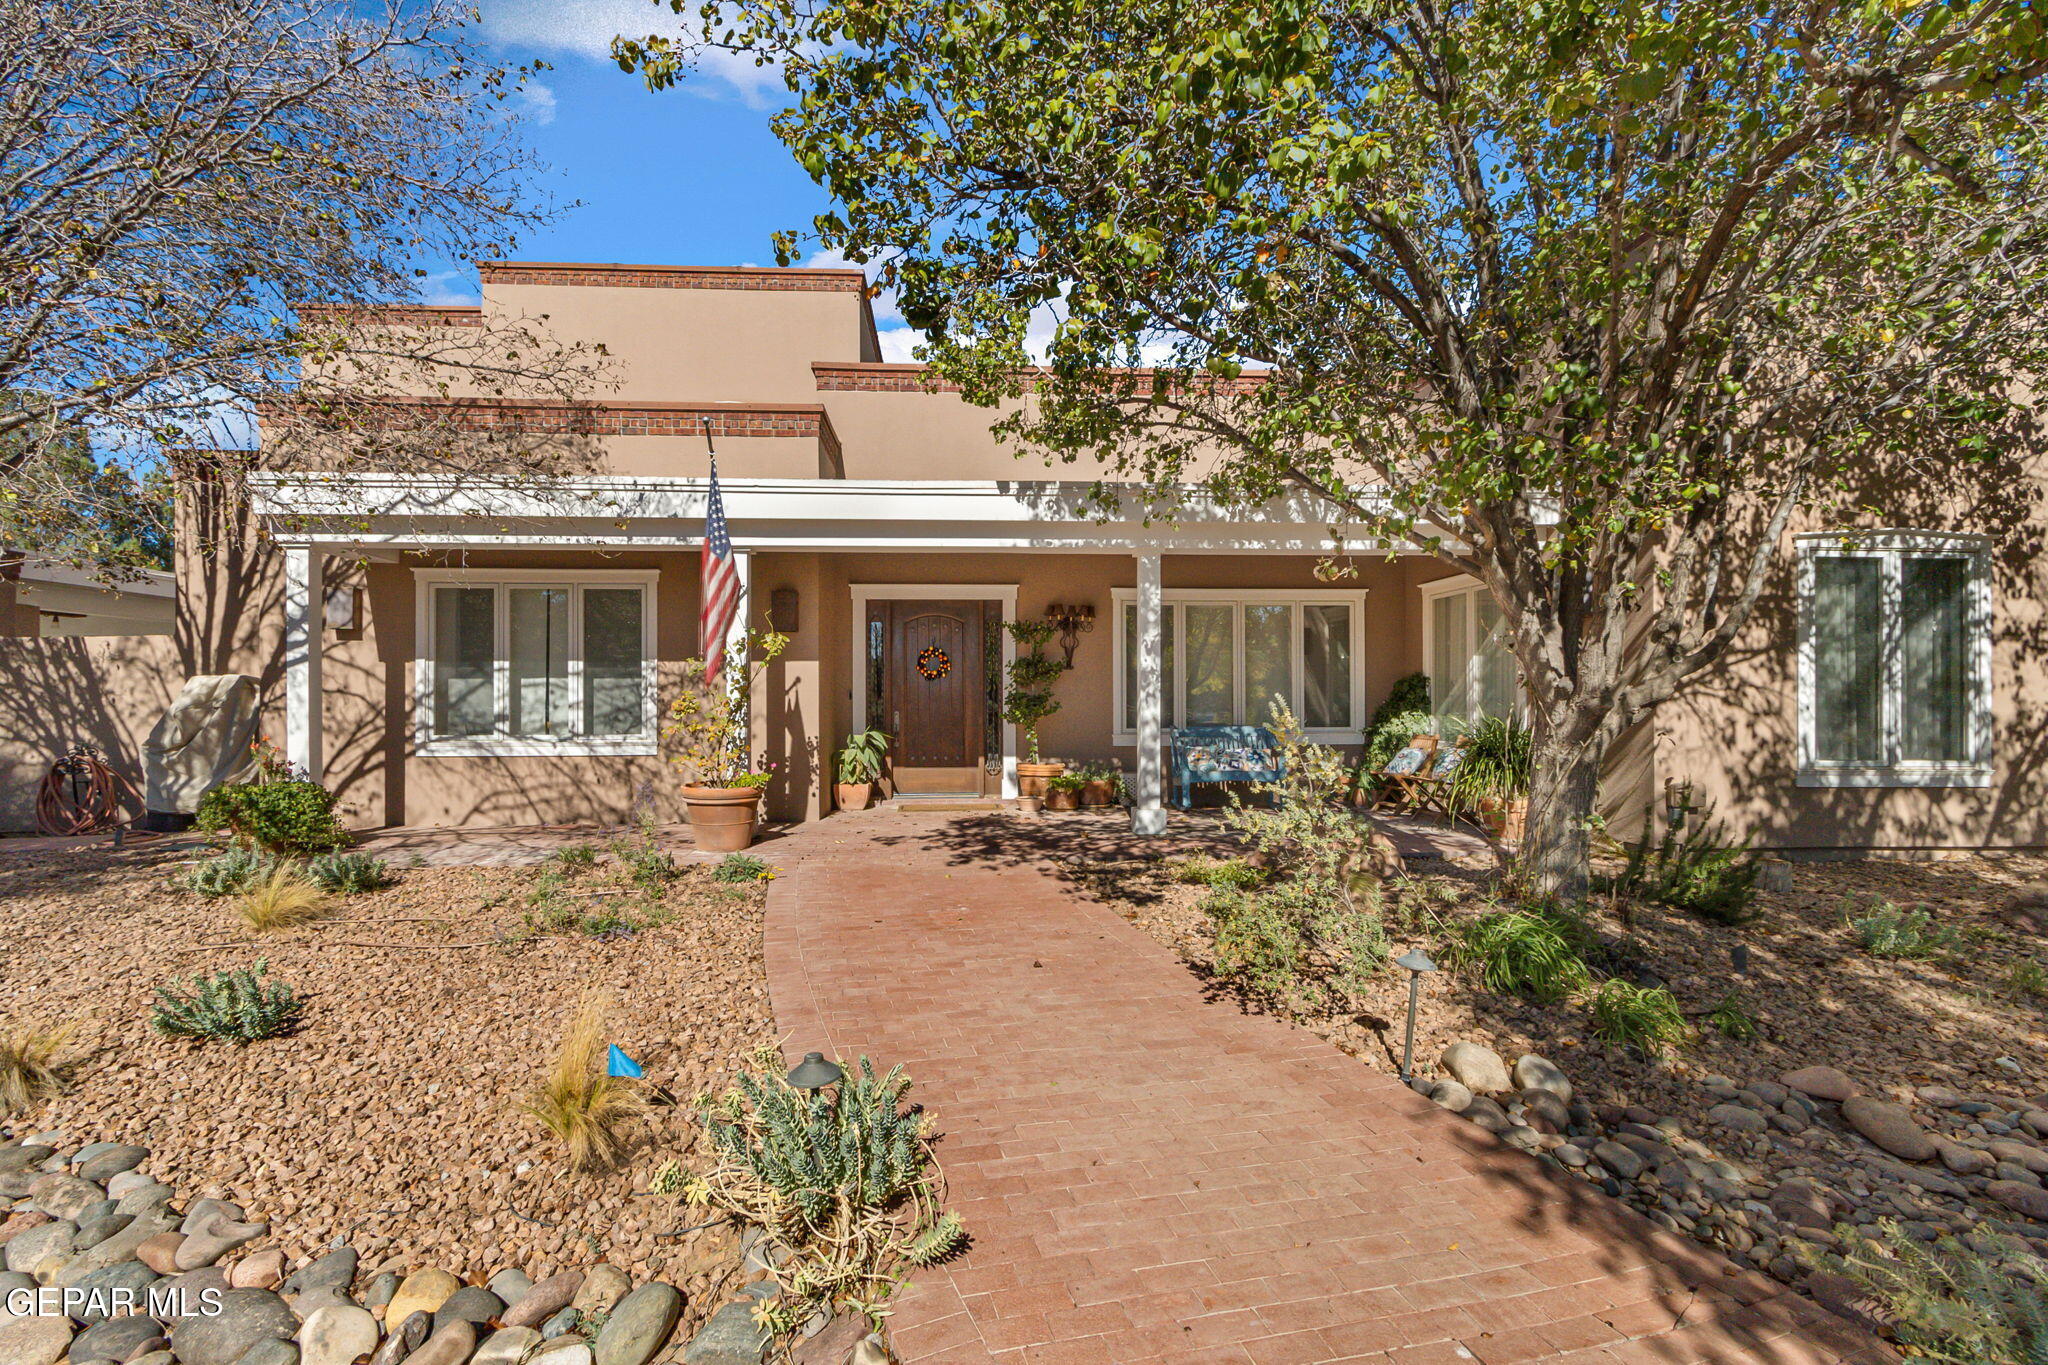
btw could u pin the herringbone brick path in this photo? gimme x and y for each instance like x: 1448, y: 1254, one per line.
x: 1150, y: 1176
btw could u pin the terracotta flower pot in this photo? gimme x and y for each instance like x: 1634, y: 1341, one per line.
x: 722, y: 818
x: 1030, y: 805
x: 853, y: 795
x: 1100, y: 791
x: 1031, y: 777
x: 1505, y: 820
x: 1062, y: 798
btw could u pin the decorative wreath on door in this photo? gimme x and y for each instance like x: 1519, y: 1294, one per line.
x: 932, y: 663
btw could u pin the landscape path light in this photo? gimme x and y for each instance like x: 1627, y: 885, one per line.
x: 1417, y: 962
x: 814, y: 1073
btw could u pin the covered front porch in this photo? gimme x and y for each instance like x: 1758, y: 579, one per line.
x: 448, y: 668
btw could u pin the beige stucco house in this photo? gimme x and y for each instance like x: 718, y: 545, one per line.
x: 449, y: 654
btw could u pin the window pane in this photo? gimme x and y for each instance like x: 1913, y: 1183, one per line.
x: 1934, y: 723
x: 1208, y: 633
x: 464, y: 641
x: 1131, y: 664
x: 614, y: 683
x: 539, y: 624
x: 1450, y: 655
x: 1493, y: 668
x: 1326, y: 662
x: 1847, y: 660
x: 1268, y: 659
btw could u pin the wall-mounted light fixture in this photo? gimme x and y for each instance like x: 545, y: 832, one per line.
x: 1072, y: 620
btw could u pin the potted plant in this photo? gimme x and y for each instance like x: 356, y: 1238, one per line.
x: 1492, y: 777
x: 1099, y: 784
x: 1063, y: 791
x: 860, y: 765
x: 1030, y: 700
x: 722, y: 786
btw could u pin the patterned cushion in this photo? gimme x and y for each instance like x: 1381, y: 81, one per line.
x: 1409, y: 760
x: 1447, y: 762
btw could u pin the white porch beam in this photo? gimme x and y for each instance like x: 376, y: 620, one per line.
x: 736, y: 648
x: 304, y: 620
x: 1148, y: 809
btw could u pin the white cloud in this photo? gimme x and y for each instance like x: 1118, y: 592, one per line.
x: 898, y: 343
x: 585, y: 28
x: 537, y: 102
x: 446, y: 288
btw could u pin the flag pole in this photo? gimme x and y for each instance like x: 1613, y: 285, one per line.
x: 736, y: 634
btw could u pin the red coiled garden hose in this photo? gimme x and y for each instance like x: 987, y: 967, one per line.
x: 80, y: 794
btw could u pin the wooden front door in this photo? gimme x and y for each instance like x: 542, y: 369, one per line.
x: 934, y: 694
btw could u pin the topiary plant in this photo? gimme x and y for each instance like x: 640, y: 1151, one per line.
x: 841, y: 1178
x: 234, y: 1006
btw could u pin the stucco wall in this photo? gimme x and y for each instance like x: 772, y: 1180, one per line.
x: 105, y: 690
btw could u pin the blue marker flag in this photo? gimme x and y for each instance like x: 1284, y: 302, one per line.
x: 617, y: 1063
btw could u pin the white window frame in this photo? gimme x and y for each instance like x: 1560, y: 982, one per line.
x: 1892, y: 547
x: 1460, y: 585
x: 1239, y: 599
x: 504, y: 744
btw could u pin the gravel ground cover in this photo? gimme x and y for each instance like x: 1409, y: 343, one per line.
x: 389, y: 1116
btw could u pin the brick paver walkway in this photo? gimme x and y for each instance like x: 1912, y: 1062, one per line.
x: 1149, y: 1176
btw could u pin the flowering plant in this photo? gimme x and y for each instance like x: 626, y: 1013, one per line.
x: 708, y: 721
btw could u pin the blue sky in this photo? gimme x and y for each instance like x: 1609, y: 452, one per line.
x: 686, y: 176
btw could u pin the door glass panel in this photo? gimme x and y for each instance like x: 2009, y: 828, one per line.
x: 1208, y: 633
x: 1493, y: 667
x: 614, y: 679
x: 1933, y: 611
x: 539, y: 646
x: 878, y: 703
x: 465, y: 637
x: 1268, y: 659
x: 1847, y: 660
x: 1131, y: 664
x: 1450, y: 655
x: 1326, y: 666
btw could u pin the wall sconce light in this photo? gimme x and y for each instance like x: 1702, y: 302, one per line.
x: 1072, y: 620
x: 344, y: 608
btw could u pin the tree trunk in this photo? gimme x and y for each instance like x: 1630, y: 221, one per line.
x: 1557, y: 841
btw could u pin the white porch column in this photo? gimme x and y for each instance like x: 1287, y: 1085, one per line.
x: 304, y: 620
x: 1148, y: 810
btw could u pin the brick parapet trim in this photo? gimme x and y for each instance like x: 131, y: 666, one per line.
x: 394, y: 314
x: 600, y: 419
x: 896, y: 377
x: 760, y: 278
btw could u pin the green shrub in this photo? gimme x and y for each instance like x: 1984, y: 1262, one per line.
x: 1949, y: 1303
x: 740, y: 867
x: 1204, y: 871
x: 576, y: 855
x: 229, y: 872
x: 2027, y: 979
x: 1888, y: 930
x: 650, y: 867
x: 1497, y: 756
x: 1731, y: 1020
x: 1540, y: 954
x: 293, y: 817
x: 1405, y: 712
x: 348, y: 874
x: 1317, y: 912
x: 1643, y: 1017
x: 1691, y: 869
x: 840, y: 1179
x: 234, y: 1006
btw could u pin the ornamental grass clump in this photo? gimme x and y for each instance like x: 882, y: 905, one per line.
x: 1535, y: 953
x: 841, y: 1179
x: 283, y: 899
x: 1951, y: 1303
x: 234, y: 1006
x: 35, y: 1064
x: 1693, y: 869
x: 1647, y: 1018
x: 577, y: 1102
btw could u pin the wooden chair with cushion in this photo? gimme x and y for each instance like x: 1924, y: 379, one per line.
x: 1433, y: 787
x: 1400, y: 781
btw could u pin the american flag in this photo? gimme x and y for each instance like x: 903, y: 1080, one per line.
x: 721, y: 583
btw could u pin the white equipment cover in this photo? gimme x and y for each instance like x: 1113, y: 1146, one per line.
x: 201, y: 743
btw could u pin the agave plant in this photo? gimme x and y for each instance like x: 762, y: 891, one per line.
x: 841, y: 1178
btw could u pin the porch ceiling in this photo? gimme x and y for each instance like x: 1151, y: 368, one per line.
x: 368, y: 511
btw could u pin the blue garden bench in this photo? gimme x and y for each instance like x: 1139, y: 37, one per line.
x: 1220, y: 753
